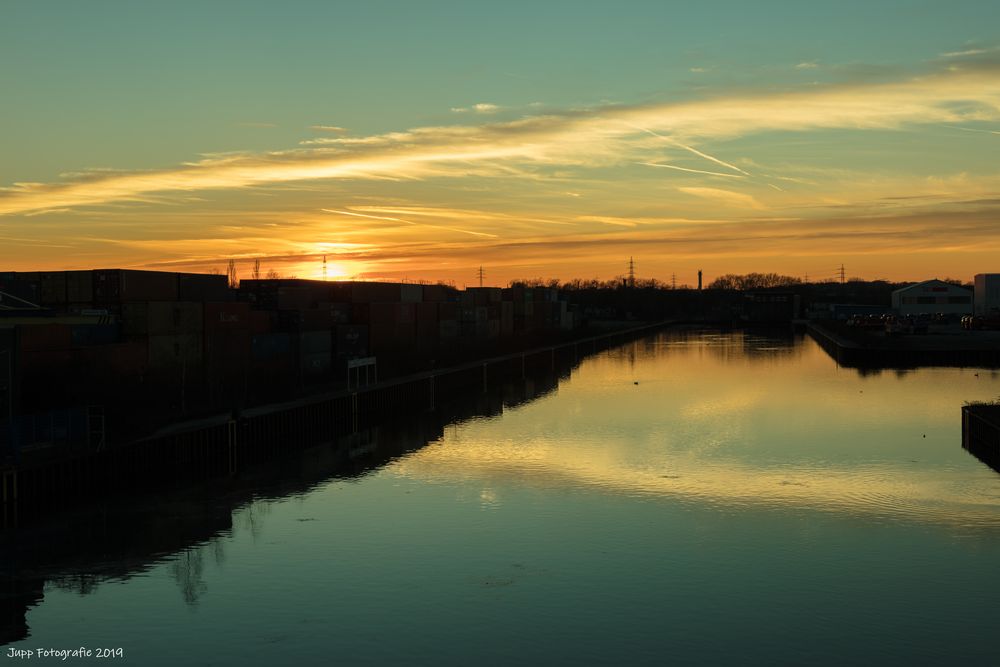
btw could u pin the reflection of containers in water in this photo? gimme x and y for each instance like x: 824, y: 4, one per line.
x: 351, y: 340
x: 161, y: 318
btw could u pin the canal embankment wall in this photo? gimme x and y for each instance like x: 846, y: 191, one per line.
x: 225, y: 443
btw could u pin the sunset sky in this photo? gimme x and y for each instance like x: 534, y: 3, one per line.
x: 420, y: 140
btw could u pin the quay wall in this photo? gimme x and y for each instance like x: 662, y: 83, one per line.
x: 226, y: 443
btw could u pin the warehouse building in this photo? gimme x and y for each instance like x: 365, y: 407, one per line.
x: 932, y: 296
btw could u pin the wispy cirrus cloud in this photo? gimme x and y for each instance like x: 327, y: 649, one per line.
x: 725, y: 197
x: 595, y: 138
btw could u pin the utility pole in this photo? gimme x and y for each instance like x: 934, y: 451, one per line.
x: 699, y: 280
x: 842, y: 281
x: 673, y: 281
x: 324, y: 268
x: 631, y: 272
x: 481, y: 276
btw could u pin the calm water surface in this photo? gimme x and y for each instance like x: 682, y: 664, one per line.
x: 695, y: 497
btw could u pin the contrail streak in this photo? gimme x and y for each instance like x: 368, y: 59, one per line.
x: 970, y: 129
x: 693, y: 171
x: 691, y: 149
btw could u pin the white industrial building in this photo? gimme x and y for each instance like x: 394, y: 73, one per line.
x: 987, y: 293
x: 932, y: 296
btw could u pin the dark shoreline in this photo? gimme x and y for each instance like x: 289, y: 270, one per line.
x: 221, y: 445
x: 866, y: 352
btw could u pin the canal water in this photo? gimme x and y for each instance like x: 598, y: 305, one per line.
x: 693, y: 497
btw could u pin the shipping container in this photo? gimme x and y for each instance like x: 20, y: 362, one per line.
x: 53, y: 288
x: 39, y: 337
x: 315, y: 365
x: 315, y: 341
x: 16, y: 292
x: 309, y: 319
x: 448, y: 329
x: 118, y: 361
x: 159, y: 318
x: 83, y: 335
x: 439, y: 293
x: 407, y: 313
x: 290, y: 294
x: 203, y: 287
x: 271, y: 346
x: 262, y: 321
x: 351, y: 340
x: 226, y: 316
x: 80, y: 287
x: 371, y: 292
x: 360, y: 313
x: 411, y: 293
x: 114, y: 286
x: 176, y: 353
x: 340, y: 313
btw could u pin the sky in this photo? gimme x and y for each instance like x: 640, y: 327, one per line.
x: 420, y: 141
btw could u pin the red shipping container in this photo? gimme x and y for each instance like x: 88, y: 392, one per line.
x: 37, y: 337
x: 226, y: 316
x: 261, y: 321
x: 407, y: 313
